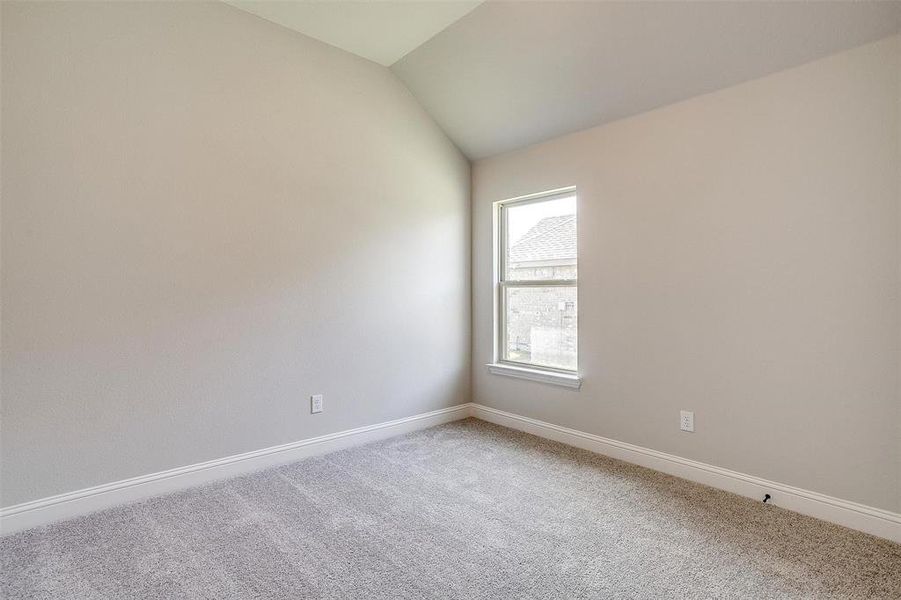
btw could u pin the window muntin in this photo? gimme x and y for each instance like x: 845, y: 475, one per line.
x: 537, y: 282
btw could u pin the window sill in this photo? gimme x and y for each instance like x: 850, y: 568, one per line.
x: 551, y: 377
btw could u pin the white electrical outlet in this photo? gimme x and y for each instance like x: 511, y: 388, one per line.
x: 686, y: 421
x: 316, y: 404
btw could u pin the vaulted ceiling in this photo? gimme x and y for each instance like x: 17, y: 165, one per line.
x: 382, y: 31
x: 497, y: 76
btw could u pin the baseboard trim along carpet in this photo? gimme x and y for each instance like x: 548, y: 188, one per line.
x: 878, y: 522
x: 875, y: 521
x: 88, y: 500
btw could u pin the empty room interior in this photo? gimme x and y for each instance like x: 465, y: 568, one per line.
x: 464, y: 299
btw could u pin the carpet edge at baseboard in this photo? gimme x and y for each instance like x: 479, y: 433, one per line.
x: 868, y: 519
x: 68, y: 505
x: 874, y: 521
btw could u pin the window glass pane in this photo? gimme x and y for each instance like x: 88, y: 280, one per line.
x: 541, y: 240
x: 541, y: 325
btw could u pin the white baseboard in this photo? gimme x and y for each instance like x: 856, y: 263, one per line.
x: 870, y: 520
x: 81, y: 502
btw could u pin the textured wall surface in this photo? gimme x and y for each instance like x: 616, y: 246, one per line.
x: 207, y: 218
x: 738, y: 257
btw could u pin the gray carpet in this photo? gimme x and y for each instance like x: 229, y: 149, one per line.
x: 465, y: 510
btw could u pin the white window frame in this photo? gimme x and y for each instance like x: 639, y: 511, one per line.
x: 501, y: 366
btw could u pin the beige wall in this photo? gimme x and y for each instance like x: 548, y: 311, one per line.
x: 207, y: 218
x: 739, y: 257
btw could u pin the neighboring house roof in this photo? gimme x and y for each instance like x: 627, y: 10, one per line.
x: 551, y: 238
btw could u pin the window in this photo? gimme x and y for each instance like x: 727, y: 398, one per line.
x: 536, y: 278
